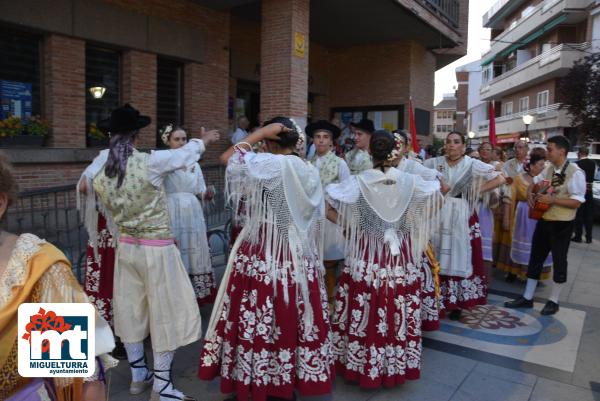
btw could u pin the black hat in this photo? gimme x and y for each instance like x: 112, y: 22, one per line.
x: 323, y: 125
x: 364, y: 125
x: 123, y: 119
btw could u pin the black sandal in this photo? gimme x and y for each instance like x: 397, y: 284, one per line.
x: 136, y: 388
x: 156, y: 396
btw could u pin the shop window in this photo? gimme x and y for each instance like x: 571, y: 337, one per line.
x: 169, y: 94
x: 542, y: 98
x: 524, y: 104
x: 19, y: 73
x: 102, y: 82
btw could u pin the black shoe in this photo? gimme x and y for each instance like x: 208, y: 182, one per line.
x: 519, y: 303
x: 588, y: 240
x: 455, y: 314
x: 576, y: 239
x: 510, y: 278
x: 550, y: 308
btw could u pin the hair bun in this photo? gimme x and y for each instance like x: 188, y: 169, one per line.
x: 381, y: 145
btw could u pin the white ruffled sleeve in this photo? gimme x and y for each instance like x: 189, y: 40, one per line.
x: 343, y: 192
x: 487, y: 171
x: 163, y: 162
x: 426, y: 173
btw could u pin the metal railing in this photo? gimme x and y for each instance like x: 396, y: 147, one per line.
x: 540, y: 111
x: 447, y: 9
x: 51, y: 214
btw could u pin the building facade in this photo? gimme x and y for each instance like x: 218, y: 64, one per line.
x: 445, y: 116
x: 470, y: 109
x: 533, y: 45
x: 201, y: 63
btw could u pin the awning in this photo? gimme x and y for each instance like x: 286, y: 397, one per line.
x: 527, y: 40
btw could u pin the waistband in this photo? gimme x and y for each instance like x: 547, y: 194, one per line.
x: 147, y: 242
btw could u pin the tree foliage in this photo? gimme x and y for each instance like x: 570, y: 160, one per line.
x: 579, y: 92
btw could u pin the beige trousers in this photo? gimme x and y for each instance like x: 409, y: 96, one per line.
x: 153, y: 295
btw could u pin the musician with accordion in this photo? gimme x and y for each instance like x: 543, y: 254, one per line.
x: 553, y: 198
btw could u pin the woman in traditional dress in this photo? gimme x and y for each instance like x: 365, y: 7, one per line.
x: 269, y: 331
x: 489, y: 201
x: 457, y: 243
x: 31, y: 271
x: 522, y: 226
x: 430, y: 285
x: 183, y: 187
x: 387, y: 216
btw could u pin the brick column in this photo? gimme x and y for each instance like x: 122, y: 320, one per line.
x: 284, y: 73
x: 139, y: 89
x: 64, y: 90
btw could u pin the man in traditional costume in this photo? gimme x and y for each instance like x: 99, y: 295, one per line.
x: 387, y: 215
x: 359, y: 159
x: 269, y: 330
x: 457, y: 243
x: 332, y: 169
x: 566, y: 192
x: 152, y: 292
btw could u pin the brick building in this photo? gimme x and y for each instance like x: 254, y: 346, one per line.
x: 202, y: 62
x: 534, y: 43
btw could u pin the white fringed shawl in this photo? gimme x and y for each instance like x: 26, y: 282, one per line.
x: 279, y: 201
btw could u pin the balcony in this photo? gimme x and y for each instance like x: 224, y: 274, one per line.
x: 546, y: 13
x: 550, y: 64
x: 445, y: 9
x: 546, y: 118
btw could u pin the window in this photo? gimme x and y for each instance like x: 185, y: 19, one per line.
x: 169, y: 94
x: 102, y: 70
x: 438, y: 128
x: 524, y: 104
x: 542, y: 98
x: 19, y: 73
x: 507, y: 109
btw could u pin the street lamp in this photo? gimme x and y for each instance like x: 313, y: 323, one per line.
x: 471, y: 135
x: 527, y: 119
x: 97, y: 91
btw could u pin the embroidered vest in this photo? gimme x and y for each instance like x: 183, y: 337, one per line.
x: 358, y: 161
x: 138, y: 207
x: 561, y: 213
x: 329, y: 168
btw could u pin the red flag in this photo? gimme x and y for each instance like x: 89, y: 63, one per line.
x: 492, y: 125
x: 413, y: 127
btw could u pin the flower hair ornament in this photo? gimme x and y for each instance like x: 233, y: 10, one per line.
x: 165, y: 132
x: 301, y: 137
x: 397, y: 152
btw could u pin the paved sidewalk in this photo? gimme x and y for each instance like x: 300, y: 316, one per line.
x: 461, y: 372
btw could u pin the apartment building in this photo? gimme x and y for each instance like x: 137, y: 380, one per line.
x: 444, y: 116
x: 533, y: 45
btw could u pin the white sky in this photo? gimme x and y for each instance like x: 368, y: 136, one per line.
x: 445, y: 79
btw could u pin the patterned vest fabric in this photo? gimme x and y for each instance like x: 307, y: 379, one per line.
x: 329, y: 169
x: 358, y: 161
x: 561, y: 213
x: 137, y: 207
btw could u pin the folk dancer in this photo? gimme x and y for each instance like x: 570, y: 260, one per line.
x: 387, y: 216
x: 332, y: 169
x: 488, y: 203
x: 359, y: 159
x: 184, y: 187
x: 152, y: 292
x: 457, y: 243
x: 553, y: 232
x: 269, y: 330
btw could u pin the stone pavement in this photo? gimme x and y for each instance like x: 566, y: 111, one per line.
x: 459, y: 370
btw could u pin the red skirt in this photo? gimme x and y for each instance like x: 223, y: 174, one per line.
x: 376, y: 322
x: 430, y: 312
x: 465, y: 293
x: 99, y: 272
x: 262, y: 347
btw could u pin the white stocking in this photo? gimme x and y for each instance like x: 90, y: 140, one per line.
x: 530, y: 289
x: 162, y: 375
x: 135, y: 353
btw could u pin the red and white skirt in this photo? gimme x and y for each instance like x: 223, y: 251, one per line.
x: 261, y: 346
x: 99, y: 272
x: 376, y: 322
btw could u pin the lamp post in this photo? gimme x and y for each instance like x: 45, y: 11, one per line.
x: 471, y: 135
x: 527, y: 119
x: 97, y: 91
